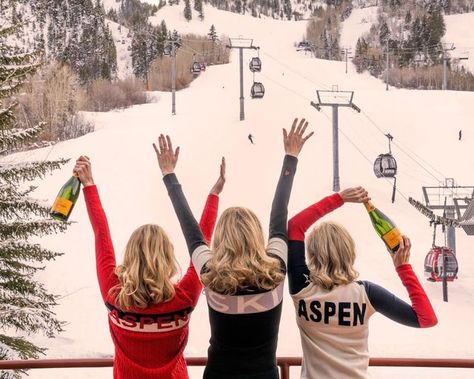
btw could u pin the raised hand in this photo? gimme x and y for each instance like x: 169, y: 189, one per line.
x: 83, y: 170
x: 219, y: 186
x: 402, y: 255
x: 294, y: 140
x: 167, y: 158
x: 355, y: 195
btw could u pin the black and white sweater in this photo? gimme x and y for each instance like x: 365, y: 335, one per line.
x: 244, y: 326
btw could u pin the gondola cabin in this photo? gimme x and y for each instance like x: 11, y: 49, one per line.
x: 385, y: 166
x: 196, y: 68
x: 255, y: 64
x: 434, y: 264
x: 257, y: 91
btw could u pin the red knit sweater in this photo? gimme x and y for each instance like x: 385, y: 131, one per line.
x: 149, y: 343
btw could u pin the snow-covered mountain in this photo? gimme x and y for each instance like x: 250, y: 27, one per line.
x: 72, y: 31
x: 425, y: 125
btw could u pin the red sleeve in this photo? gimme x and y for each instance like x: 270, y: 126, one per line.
x: 419, y: 301
x: 190, y: 281
x: 209, y: 216
x: 104, y: 250
x: 299, y: 224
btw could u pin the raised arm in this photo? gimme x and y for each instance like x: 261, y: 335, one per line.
x: 298, y: 272
x: 420, y: 313
x: 209, y: 214
x: 190, y: 281
x: 167, y: 159
x: 104, y: 250
x: 293, y: 143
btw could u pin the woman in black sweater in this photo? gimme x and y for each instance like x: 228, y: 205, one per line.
x: 243, y: 279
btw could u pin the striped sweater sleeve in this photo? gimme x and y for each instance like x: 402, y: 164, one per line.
x: 298, y: 273
x: 104, y: 250
x: 419, y: 314
x: 197, y: 246
x: 419, y: 301
x: 189, y: 225
x: 190, y: 282
x: 209, y: 216
x: 279, y: 213
x: 278, y: 236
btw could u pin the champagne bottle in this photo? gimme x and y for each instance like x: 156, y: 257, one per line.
x: 66, y: 199
x: 384, y: 227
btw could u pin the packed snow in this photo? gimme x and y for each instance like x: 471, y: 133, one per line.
x: 425, y: 125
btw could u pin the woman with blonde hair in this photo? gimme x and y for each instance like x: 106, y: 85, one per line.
x: 332, y: 307
x: 243, y: 279
x: 148, y: 312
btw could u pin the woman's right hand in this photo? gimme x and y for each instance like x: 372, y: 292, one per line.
x: 402, y: 255
x: 294, y: 140
x: 355, y: 195
x: 83, y: 170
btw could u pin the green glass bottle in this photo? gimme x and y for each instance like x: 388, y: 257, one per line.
x: 66, y: 199
x: 384, y: 227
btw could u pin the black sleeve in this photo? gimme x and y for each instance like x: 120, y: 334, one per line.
x: 298, y: 273
x: 390, y: 306
x: 279, y: 214
x: 189, y: 225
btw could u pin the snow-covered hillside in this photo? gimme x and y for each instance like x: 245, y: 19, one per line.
x: 358, y: 24
x: 425, y: 125
x: 123, y: 43
x: 459, y: 31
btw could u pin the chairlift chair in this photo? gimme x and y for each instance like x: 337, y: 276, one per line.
x: 434, y: 264
x: 255, y: 64
x: 257, y: 91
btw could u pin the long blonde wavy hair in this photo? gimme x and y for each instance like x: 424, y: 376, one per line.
x: 331, y: 256
x: 148, y: 266
x: 239, y: 258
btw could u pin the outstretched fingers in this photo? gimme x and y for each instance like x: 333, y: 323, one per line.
x: 308, y: 137
x: 301, y: 127
x: 293, y: 127
x: 223, y: 168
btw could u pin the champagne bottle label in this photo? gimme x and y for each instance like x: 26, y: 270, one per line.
x: 392, y: 238
x: 62, y: 206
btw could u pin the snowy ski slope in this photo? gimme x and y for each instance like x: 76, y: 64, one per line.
x: 425, y: 125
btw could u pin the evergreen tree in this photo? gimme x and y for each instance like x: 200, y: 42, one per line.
x: 238, y: 6
x: 198, y: 5
x: 384, y: 34
x: 187, y: 10
x: 212, y: 33
x: 25, y: 304
x: 408, y: 18
x: 287, y: 9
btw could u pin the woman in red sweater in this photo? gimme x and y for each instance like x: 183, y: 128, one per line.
x: 148, y: 312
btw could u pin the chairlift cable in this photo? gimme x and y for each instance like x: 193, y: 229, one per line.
x: 296, y: 72
x: 404, y: 151
x: 363, y: 112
